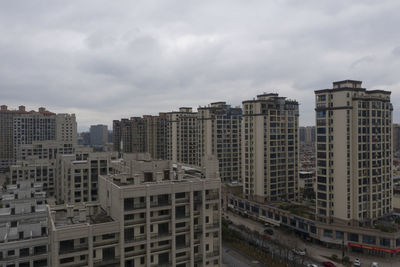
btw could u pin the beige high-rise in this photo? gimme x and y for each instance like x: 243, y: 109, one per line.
x: 354, y: 153
x: 156, y: 135
x: 270, y: 142
x: 21, y: 127
x: 219, y: 134
x: 129, y: 136
x: 182, y: 136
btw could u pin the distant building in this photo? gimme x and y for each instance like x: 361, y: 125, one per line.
x: 38, y: 162
x: 219, y: 127
x: 396, y: 137
x: 129, y: 135
x: 20, y: 127
x: 98, y: 135
x: 182, y: 134
x: 307, y: 134
x: 354, y: 154
x: 270, y: 141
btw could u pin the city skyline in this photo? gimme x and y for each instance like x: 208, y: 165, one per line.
x: 150, y: 57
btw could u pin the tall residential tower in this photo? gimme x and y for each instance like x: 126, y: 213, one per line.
x: 354, y: 153
x: 270, y: 143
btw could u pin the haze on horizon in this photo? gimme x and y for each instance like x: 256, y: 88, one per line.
x: 105, y: 60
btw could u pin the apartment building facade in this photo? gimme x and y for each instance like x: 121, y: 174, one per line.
x: 21, y: 127
x: 98, y: 135
x: 270, y: 142
x: 156, y: 135
x: 77, y: 180
x: 23, y: 225
x: 396, y: 137
x: 169, y: 214
x: 354, y: 154
x: 129, y: 135
x: 82, y: 235
x: 182, y: 136
x: 219, y: 133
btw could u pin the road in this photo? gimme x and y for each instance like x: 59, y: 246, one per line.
x: 233, y: 258
x: 314, y: 251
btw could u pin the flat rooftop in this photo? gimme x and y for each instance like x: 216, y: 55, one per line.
x: 80, y: 216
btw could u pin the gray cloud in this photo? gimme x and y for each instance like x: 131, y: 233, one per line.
x: 105, y: 60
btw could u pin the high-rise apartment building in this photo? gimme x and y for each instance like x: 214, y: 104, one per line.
x: 354, y: 153
x: 307, y: 134
x: 219, y: 134
x: 270, y: 142
x: 156, y: 135
x: 20, y: 127
x: 77, y: 180
x: 38, y: 162
x: 98, y: 135
x: 182, y: 136
x: 396, y: 137
x: 151, y: 213
x: 129, y: 136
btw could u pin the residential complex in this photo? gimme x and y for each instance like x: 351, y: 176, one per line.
x: 354, y: 154
x: 219, y: 134
x: 98, y: 135
x: 182, y: 136
x: 38, y: 161
x: 20, y: 127
x: 151, y: 212
x: 23, y: 225
x: 270, y: 144
x: 307, y: 134
x: 78, y: 175
x: 129, y: 135
x: 156, y: 135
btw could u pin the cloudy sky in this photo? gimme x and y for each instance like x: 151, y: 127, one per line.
x: 104, y: 60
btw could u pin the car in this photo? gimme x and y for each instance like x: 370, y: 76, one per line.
x: 328, y: 264
x: 228, y: 221
x: 357, y: 262
x: 299, y: 252
x: 312, y: 265
x: 268, y: 231
x: 374, y: 264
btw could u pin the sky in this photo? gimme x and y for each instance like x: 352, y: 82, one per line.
x: 106, y: 60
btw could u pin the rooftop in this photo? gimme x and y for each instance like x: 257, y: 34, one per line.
x: 79, y: 214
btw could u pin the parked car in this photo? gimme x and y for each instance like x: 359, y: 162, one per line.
x: 312, y: 265
x: 299, y: 252
x: 328, y: 264
x: 374, y: 264
x: 268, y: 231
x: 357, y: 262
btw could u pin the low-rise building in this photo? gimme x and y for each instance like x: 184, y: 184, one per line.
x: 83, y: 235
x: 23, y: 225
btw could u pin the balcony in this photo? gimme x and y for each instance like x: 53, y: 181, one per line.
x: 106, y: 262
x: 161, y: 218
x: 214, y: 225
x: 66, y: 250
x: 197, y: 199
x: 179, y: 216
x: 212, y: 196
x: 136, y: 239
x: 183, y: 229
x: 134, y: 222
x: 181, y: 200
x: 160, y: 204
x: 213, y: 254
x: 160, y: 235
x: 135, y: 206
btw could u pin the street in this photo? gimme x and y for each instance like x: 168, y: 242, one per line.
x: 233, y: 258
x: 316, y: 252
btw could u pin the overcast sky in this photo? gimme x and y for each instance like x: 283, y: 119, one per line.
x: 105, y: 60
